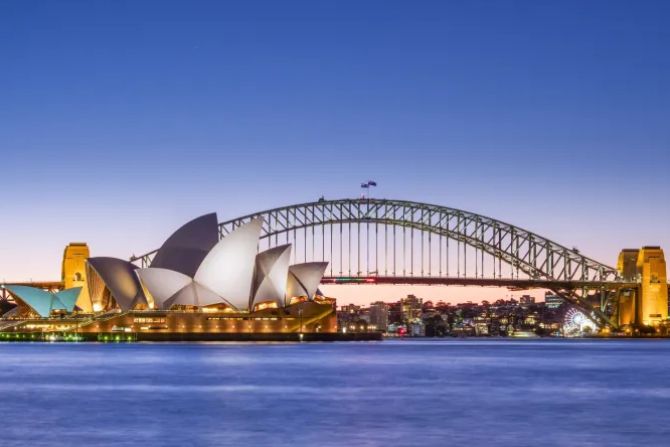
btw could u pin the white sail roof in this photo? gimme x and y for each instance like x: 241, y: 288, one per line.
x: 185, y: 249
x: 162, y: 284
x: 68, y: 298
x: 119, y: 277
x: 304, y: 279
x: 169, y: 288
x: 194, y: 294
x: 228, y: 269
x: 42, y: 301
x: 271, y: 275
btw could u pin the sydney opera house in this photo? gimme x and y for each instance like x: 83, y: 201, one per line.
x: 197, y: 287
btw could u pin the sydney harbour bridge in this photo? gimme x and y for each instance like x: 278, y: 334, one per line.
x: 383, y: 241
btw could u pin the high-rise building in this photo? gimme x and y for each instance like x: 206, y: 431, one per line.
x: 553, y: 301
x: 410, y: 307
x: 379, y: 315
x: 526, y: 300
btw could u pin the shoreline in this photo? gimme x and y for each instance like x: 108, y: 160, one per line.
x: 118, y: 337
x: 125, y: 337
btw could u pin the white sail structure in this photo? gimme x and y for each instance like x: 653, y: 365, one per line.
x: 225, y: 275
x: 162, y: 284
x: 118, y: 278
x: 304, y: 279
x: 232, y: 272
x: 185, y: 249
x: 271, y: 275
x: 43, y: 302
x: 194, y: 294
x: 228, y: 269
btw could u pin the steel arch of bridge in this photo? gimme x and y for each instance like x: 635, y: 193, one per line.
x: 404, y: 242
x: 397, y: 238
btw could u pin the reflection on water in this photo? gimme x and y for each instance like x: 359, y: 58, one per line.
x: 446, y: 392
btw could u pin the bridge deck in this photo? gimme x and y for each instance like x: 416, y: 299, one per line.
x: 483, y: 282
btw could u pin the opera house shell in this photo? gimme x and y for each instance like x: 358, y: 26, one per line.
x: 195, y: 269
x: 43, y: 302
x: 197, y: 282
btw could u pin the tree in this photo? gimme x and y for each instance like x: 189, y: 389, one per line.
x: 435, y: 326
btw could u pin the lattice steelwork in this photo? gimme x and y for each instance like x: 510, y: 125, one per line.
x: 394, y: 238
x: 396, y: 241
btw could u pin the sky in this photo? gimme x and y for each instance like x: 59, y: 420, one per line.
x: 121, y: 120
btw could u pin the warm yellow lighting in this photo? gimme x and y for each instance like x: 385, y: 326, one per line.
x: 266, y: 305
x: 653, y: 286
x: 73, y: 273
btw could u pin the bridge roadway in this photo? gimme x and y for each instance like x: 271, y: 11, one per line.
x: 511, y: 283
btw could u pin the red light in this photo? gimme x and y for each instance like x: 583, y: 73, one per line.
x: 371, y: 280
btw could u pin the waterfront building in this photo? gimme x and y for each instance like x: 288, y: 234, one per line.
x: 526, y: 300
x: 196, y: 284
x: 482, y: 324
x: 416, y: 328
x: 553, y: 301
x: 410, y: 307
x: 379, y: 315
x: 354, y: 318
x: 351, y: 309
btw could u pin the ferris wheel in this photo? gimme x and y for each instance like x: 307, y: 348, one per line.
x: 577, y: 323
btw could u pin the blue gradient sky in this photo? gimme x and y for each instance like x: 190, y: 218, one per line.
x: 121, y: 120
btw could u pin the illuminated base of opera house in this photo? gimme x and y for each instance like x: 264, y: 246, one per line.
x: 308, y: 317
x: 197, y: 288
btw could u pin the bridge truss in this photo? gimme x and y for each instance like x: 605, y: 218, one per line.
x: 395, y: 241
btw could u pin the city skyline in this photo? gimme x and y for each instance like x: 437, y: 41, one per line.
x: 120, y: 123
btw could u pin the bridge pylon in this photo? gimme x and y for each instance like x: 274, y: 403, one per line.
x: 647, y: 303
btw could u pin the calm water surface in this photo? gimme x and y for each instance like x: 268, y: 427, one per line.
x: 392, y: 393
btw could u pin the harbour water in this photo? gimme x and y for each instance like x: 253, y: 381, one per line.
x: 392, y: 393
